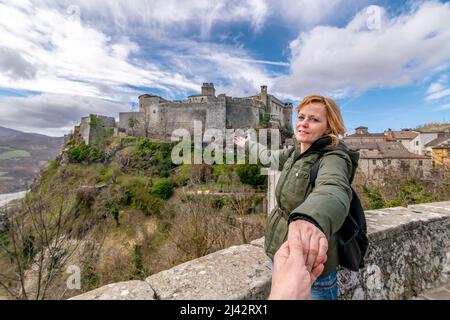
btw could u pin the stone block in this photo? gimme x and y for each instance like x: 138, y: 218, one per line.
x: 128, y: 290
x: 236, y: 273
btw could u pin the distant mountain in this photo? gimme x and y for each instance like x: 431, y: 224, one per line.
x: 22, y: 156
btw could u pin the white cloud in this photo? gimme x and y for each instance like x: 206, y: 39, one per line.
x: 161, y: 17
x: 438, y: 89
x: 77, y: 68
x: 53, y: 114
x: 439, y: 94
x: 73, y: 58
x: 358, y: 57
x: 58, y: 53
x: 303, y: 14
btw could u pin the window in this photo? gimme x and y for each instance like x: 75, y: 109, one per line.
x: 389, y: 161
x: 374, y: 162
x: 420, y: 163
x: 417, y: 143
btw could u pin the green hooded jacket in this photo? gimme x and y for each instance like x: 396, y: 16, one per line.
x: 327, y: 205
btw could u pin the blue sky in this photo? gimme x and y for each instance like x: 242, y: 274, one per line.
x: 387, y: 63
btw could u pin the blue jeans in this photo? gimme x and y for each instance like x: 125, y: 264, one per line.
x: 325, y: 287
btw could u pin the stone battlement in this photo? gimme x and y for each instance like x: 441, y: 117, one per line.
x: 407, y: 255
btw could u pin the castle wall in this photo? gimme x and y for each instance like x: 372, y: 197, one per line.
x: 147, y: 101
x: 176, y: 115
x: 242, y: 112
x: 124, y: 123
x: 84, y: 129
x: 286, y: 117
x: 216, y: 114
x: 95, y: 128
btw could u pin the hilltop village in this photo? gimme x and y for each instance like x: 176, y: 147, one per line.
x: 408, y: 152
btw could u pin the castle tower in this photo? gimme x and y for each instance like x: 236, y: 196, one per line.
x: 264, y: 89
x: 263, y: 97
x: 208, y: 89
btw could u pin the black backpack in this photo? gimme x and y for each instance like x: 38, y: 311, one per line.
x: 352, y: 236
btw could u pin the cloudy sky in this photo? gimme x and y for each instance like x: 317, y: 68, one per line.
x: 386, y: 62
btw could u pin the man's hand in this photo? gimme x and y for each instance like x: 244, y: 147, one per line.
x: 291, y: 280
x: 314, y: 242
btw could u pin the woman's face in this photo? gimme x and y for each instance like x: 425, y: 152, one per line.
x: 311, y: 123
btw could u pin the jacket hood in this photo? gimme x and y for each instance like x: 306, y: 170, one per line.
x: 354, y: 155
x: 324, y: 144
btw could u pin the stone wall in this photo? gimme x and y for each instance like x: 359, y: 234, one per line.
x: 124, y: 123
x: 179, y: 115
x: 216, y: 114
x: 242, y: 112
x: 407, y: 254
x: 405, y: 167
x: 96, y: 127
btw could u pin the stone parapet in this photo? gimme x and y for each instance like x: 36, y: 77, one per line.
x: 406, y: 256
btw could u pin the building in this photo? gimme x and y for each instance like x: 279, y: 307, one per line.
x: 157, y: 117
x: 160, y: 117
x: 440, y: 153
x: 95, y: 128
x: 405, y: 137
x: 362, y: 135
x: 379, y: 160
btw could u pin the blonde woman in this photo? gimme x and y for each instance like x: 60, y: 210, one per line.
x: 319, y: 212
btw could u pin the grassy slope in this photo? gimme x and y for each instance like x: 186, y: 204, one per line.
x: 14, y: 154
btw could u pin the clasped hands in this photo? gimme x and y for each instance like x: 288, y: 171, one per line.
x: 298, y: 262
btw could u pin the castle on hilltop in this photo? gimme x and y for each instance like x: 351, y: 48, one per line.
x: 158, y: 117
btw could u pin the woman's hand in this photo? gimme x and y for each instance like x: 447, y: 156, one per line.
x: 239, y: 141
x: 291, y: 279
x: 314, y: 242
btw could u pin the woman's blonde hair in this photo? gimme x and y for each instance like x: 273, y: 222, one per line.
x: 334, y: 117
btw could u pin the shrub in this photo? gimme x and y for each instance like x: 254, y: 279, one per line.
x: 221, y: 169
x: 138, y: 270
x: 375, y: 199
x: 82, y: 152
x: 145, y: 146
x: 219, y: 202
x: 162, y: 188
x: 250, y: 174
x: 412, y: 192
x: 138, y: 194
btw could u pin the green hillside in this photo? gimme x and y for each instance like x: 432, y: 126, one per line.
x: 124, y: 211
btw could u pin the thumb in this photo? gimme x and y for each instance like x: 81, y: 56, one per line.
x: 281, y: 255
x: 316, y: 272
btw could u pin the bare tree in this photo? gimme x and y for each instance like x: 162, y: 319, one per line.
x: 241, y: 202
x: 39, y: 246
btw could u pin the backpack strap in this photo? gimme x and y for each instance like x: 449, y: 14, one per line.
x: 315, y: 170
x: 352, y: 236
